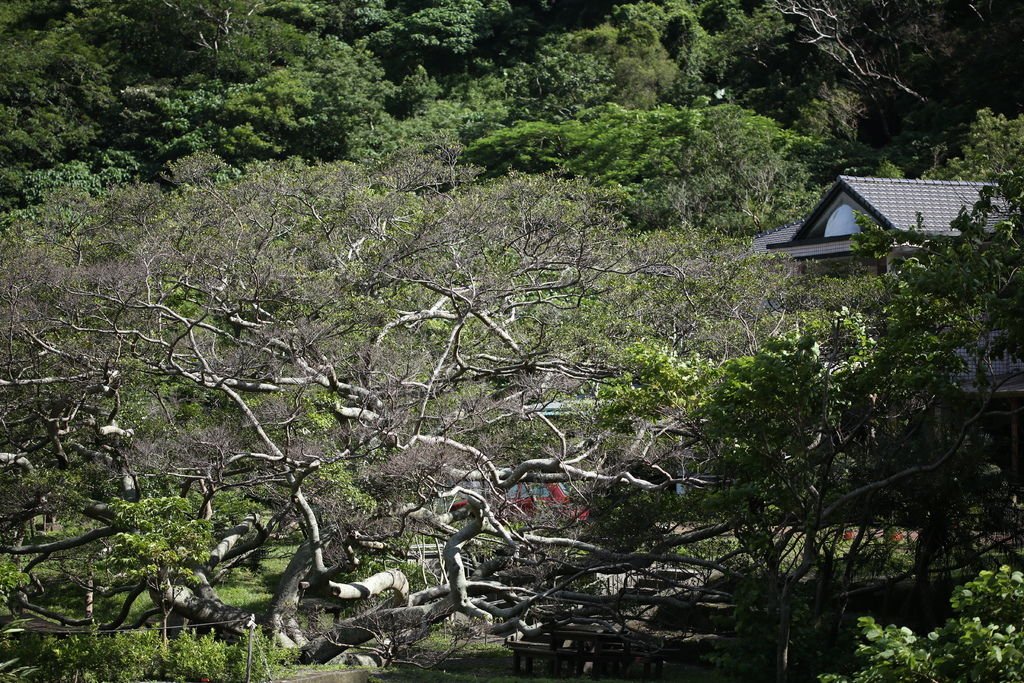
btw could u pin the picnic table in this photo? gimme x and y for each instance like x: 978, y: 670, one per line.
x: 566, y: 650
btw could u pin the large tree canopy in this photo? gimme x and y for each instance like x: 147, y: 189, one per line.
x: 313, y: 354
x: 319, y: 360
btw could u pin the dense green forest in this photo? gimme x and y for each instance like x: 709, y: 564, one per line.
x: 325, y: 322
x: 676, y: 104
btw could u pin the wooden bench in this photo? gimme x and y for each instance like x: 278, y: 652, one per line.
x: 607, y: 653
x: 525, y: 652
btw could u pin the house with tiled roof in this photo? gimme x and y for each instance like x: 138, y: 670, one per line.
x: 930, y: 206
x: 892, y: 203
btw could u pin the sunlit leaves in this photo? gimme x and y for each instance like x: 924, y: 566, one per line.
x: 160, y: 537
x: 984, y: 642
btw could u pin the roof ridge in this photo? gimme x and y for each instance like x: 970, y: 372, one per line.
x: 918, y: 181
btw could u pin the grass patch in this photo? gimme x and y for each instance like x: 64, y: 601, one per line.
x: 246, y: 590
x: 440, y: 640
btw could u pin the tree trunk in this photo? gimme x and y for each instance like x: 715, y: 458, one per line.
x: 201, y: 610
x: 281, y: 615
x: 89, y: 597
x: 390, y: 580
x: 826, y: 572
x: 782, y: 645
x: 929, y: 544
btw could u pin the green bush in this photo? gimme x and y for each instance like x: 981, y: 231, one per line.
x: 750, y: 657
x: 267, y: 659
x: 984, y: 642
x: 11, y: 670
x: 124, y: 658
x: 191, y: 658
x: 140, y: 655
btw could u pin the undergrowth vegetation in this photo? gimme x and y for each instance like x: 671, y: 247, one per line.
x: 132, y: 656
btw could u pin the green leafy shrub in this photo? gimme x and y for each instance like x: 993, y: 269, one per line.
x: 137, y: 656
x: 191, y: 658
x: 11, y: 670
x: 751, y: 656
x: 984, y: 642
x: 123, y: 658
x: 267, y: 659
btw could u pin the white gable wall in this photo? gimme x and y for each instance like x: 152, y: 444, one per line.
x: 818, y: 228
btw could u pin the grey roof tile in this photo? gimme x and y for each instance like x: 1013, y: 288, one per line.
x: 900, y: 202
x: 893, y: 202
x: 783, y: 233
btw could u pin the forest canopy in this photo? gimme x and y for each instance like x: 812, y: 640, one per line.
x: 93, y: 93
x: 344, y: 362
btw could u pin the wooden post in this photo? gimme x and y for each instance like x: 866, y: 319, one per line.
x: 1015, y: 440
x: 248, y: 659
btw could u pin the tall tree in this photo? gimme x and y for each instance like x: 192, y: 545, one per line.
x: 326, y: 350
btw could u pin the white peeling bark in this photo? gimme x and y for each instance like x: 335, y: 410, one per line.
x: 114, y: 430
x: 17, y: 460
x: 390, y: 580
x: 455, y: 569
x: 230, y: 538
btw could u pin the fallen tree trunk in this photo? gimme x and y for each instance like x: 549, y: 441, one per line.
x: 366, y: 627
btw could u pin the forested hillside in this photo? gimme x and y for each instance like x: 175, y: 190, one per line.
x: 324, y: 322
x: 721, y: 113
